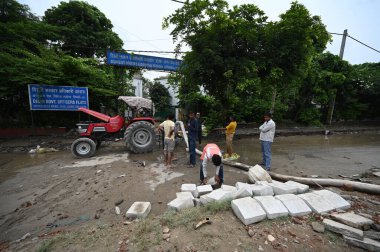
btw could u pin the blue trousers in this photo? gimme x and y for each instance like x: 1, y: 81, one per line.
x: 267, y: 153
x: 221, y: 174
x: 192, y: 151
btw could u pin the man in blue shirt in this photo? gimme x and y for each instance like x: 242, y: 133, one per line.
x: 192, y: 127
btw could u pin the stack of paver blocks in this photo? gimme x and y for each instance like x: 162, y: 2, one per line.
x: 274, y: 198
x: 354, y: 229
x: 263, y: 199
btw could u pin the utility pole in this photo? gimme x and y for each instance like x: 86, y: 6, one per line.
x: 343, y: 44
x: 330, y: 111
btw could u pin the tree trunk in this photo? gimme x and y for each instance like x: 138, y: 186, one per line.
x: 273, y: 100
x: 330, y: 111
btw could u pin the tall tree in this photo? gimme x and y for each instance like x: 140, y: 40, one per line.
x: 160, y: 96
x: 367, y: 86
x: 84, y: 31
x: 26, y: 57
x: 12, y: 11
x: 247, y: 64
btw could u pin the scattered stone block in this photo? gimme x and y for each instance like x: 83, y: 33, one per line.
x: 271, y: 238
x: 257, y: 173
x: 229, y: 188
x: 248, y: 210
x: 353, y: 220
x: 343, y: 229
x: 317, y: 203
x: 372, y: 235
x: 180, y: 203
x: 318, y: 227
x: 202, y: 190
x: 184, y: 195
x: 204, y: 199
x: 219, y: 195
x: 366, y: 243
x: 188, y: 187
x: 281, y: 188
x: 295, y: 205
x: 240, y: 185
x: 242, y: 193
x: 261, y: 189
x: 335, y: 199
x: 301, y: 188
x: 273, y: 207
x: 139, y: 210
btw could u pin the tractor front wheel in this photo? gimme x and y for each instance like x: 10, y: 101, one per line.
x: 83, y: 147
x: 140, y: 137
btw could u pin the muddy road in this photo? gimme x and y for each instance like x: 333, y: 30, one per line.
x: 44, y: 194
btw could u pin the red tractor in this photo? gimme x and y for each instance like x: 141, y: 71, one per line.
x: 138, y: 132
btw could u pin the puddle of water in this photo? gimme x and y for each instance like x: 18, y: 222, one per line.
x: 312, y: 147
x: 160, y: 175
x: 10, y: 163
x: 102, y: 160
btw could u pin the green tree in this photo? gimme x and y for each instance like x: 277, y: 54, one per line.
x: 27, y: 57
x: 84, y: 31
x: 367, y: 86
x: 328, y: 76
x: 246, y: 64
x: 12, y: 11
x: 160, y: 96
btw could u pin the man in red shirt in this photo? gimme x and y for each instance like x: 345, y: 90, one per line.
x: 211, y: 152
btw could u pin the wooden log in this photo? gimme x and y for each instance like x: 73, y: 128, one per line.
x: 350, y: 185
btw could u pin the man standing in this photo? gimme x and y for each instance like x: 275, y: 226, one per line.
x: 211, y: 152
x: 199, y: 120
x: 192, y: 127
x: 267, y: 131
x: 230, y: 132
x: 168, y: 127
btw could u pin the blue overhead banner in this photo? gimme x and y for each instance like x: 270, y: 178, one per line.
x: 65, y: 98
x: 142, y: 61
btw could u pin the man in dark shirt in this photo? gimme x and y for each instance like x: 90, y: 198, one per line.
x: 192, y: 127
x: 200, y: 122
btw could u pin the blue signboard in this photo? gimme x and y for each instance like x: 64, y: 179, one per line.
x: 45, y: 97
x: 142, y: 61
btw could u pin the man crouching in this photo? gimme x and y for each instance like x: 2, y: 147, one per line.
x: 211, y: 152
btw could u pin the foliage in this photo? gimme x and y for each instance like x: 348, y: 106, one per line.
x: 367, y: 85
x: 160, y: 96
x: 246, y: 64
x: 12, y: 11
x: 27, y: 57
x: 83, y: 30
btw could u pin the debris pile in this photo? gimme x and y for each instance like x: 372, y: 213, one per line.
x: 270, y: 199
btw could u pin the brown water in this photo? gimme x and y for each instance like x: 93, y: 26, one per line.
x: 322, y: 155
x: 345, y: 154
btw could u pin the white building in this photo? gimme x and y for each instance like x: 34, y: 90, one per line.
x: 173, y: 91
x: 137, y: 83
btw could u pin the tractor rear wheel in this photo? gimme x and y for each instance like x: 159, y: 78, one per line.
x: 140, y: 137
x: 83, y: 147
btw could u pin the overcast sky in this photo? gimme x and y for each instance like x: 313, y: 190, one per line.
x: 138, y: 22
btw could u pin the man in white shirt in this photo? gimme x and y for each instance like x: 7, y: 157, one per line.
x: 168, y: 127
x: 267, y: 131
x: 211, y: 152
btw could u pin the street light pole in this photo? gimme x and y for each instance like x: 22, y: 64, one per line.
x: 330, y: 111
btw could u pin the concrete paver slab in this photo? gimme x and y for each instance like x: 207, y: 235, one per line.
x: 273, y: 207
x: 139, y: 210
x: 248, y: 210
x: 295, y: 205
